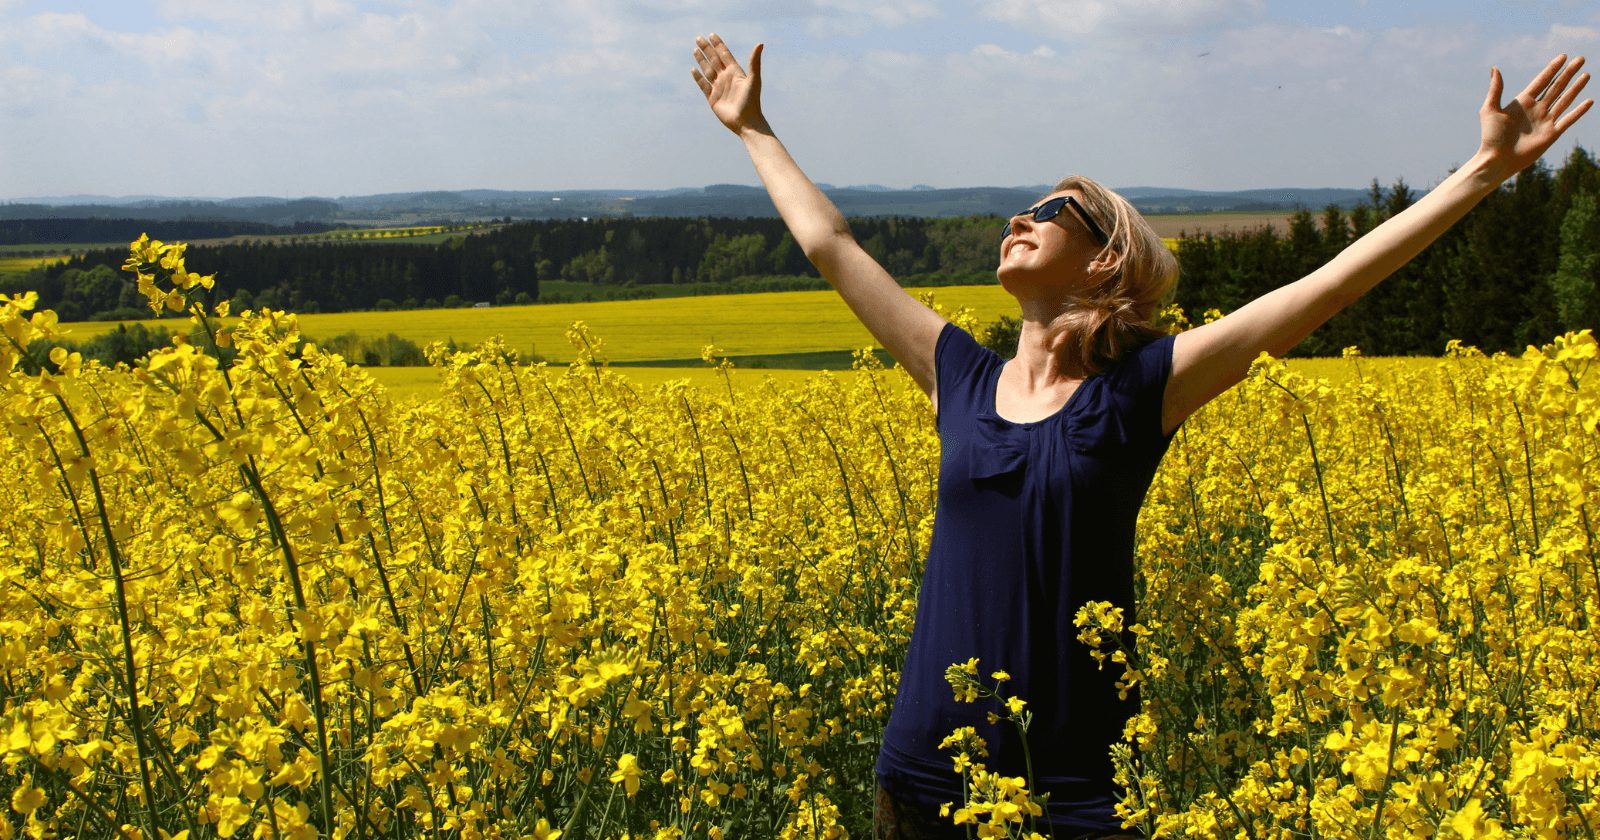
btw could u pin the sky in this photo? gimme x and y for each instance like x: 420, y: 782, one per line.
x: 349, y: 97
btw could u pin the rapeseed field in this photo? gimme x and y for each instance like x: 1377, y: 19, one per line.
x: 264, y: 600
x: 666, y: 328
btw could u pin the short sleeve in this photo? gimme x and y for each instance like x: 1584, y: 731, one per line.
x: 1140, y: 384
x: 960, y: 367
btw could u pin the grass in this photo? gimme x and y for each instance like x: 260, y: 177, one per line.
x: 407, y: 234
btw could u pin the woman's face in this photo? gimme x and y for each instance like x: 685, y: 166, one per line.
x: 1057, y: 252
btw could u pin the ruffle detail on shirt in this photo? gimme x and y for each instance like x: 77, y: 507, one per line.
x: 997, y: 448
x: 1095, y: 423
x: 1092, y: 421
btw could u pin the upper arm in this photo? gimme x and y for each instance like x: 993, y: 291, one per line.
x: 1212, y: 358
x: 905, y: 327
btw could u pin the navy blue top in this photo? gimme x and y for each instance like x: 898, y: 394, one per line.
x: 1033, y: 520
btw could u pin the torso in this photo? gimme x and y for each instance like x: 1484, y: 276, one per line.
x: 1038, y: 497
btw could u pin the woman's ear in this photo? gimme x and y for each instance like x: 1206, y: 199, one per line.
x: 1105, y: 264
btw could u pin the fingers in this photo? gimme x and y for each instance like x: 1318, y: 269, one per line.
x: 1541, y: 81
x: 721, y: 54
x: 702, y: 60
x: 1496, y: 88
x: 755, y: 63
x: 705, y: 86
x: 712, y: 57
x: 1566, y: 98
x: 1566, y: 122
x: 1552, y: 92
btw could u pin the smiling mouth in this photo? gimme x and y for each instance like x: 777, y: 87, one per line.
x: 1019, y: 246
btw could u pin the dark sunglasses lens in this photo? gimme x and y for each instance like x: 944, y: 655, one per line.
x: 1049, y: 210
x: 1043, y: 213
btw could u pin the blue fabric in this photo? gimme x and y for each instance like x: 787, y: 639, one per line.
x: 1033, y: 520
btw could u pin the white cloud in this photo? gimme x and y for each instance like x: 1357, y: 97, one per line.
x: 349, y: 96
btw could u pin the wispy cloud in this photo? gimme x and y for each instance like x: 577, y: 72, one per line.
x: 1119, y: 19
x: 342, y: 96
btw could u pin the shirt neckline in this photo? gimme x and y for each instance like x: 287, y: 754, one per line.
x: 992, y: 410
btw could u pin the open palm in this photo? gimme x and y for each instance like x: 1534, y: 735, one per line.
x: 1516, y: 134
x: 734, y: 96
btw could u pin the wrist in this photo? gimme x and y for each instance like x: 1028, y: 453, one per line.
x: 756, y: 127
x: 1489, y: 170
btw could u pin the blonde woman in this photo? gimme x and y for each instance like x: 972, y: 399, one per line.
x: 1046, y: 457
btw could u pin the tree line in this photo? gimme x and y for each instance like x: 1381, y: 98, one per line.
x: 1521, y: 267
x: 507, y: 264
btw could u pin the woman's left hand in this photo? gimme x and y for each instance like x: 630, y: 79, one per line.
x: 1516, y: 134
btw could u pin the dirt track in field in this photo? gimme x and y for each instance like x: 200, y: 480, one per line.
x: 1174, y: 224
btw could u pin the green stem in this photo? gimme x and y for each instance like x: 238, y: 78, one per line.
x: 130, y: 669
x: 308, y: 649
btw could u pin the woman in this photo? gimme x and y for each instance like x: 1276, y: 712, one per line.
x: 1046, y: 457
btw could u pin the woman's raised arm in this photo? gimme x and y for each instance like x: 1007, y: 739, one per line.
x: 1208, y: 360
x: 902, y: 324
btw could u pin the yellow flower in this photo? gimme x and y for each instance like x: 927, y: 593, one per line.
x: 627, y: 773
x: 26, y: 798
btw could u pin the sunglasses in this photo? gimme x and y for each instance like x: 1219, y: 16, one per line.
x: 1052, y: 208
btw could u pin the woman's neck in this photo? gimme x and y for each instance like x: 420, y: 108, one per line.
x: 1044, y: 349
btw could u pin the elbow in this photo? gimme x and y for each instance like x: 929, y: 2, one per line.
x: 823, y: 246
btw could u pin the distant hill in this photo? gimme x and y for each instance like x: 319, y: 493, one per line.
x: 726, y: 200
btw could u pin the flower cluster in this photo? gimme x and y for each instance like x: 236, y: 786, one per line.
x: 994, y: 805
x: 1366, y: 605
x: 245, y: 594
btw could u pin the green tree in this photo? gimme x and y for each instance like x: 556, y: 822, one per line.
x: 734, y: 256
x: 1002, y: 335
x: 1575, y: 285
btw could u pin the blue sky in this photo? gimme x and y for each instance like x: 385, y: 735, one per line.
x: 344, y: 97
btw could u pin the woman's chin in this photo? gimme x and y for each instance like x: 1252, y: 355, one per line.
x: 1016, y: 276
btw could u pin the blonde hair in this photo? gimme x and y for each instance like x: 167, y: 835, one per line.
x: 1119, y: 313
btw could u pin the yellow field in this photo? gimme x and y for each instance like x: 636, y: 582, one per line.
x: 425, y: 382
x: 667, y: 328
x: 19, y: 265
x: 271, y: 602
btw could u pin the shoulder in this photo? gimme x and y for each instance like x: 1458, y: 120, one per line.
x: 1135, y: 387
x: 957, y: 351
x: 962, y: 369
x: 1149, y: 364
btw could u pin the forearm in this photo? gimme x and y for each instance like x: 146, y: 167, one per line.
x: 1380, y: 253
x: 1209, y: 359
x: 902, y: 324
x: 818, y: 226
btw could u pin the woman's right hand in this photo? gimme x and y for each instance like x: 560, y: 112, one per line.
x: 734, y: 96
